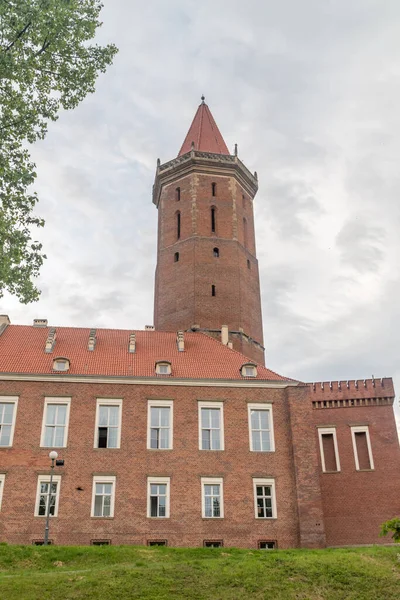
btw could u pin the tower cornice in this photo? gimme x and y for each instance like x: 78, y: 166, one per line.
x: 206, y: 162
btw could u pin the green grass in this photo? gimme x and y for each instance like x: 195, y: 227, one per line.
x: 122, y: 572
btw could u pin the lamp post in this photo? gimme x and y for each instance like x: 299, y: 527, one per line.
x: 53, y: 455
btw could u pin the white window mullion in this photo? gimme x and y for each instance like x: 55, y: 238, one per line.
x: 44, y: 495
x: 211, y: 425
x: 8, y: 415
x: 261, y: 427
x: 103, y: 496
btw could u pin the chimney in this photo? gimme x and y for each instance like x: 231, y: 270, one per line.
x: 92, y: 340
x: 40, y: 322
x: 132, y: 343
x: 4, y: 322
x: 224, y: 335
x: 149, y: 327
x: 51, y: 340
x: 180, y: 341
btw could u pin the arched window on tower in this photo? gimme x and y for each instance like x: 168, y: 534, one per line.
x: 216, y: 252
x: 213, y: 219
x: 245, y: 240
x: 214, y: 189
x: 178, y: 194
x: 178, y: 225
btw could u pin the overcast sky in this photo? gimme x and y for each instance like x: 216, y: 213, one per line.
x: 310, y: 92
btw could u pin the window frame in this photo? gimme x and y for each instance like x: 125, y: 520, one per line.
x: 215, y: 405
x: 212, y: 481
x: 261, y: 406
x: 46, y: 479
x: 55, y: 400
x: 160, y: 404
x: 2, y: 484
x: 107, y: 402
x: 103, y: 479
x: 362, y: 429
x: 261, y: 481
x: 328, y: 431
x: 10, y: 400
x: 158, y: 481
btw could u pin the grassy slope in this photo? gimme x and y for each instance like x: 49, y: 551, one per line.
x: 121, y: 572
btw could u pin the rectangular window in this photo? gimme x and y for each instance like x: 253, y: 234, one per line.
x: 8, y: 413
x: 108, y: 423
x: 103, y: 496
x: 157, y: 542
x: 2, y: 480
x: 160, y: 420
x: 55, y: 422
x: 158, y: 497
x: 362, y: 448
x: 213, y: 543
x: 266, y: 544
x: 212, y: 500
x: 100, y: 542
x: 46, y: 496
x: 264, y: 498
x: 329, y: 449
x: 261, y: 428
x: 211, y: 425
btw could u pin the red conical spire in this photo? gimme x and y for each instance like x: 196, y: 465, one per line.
x: 204, y: 133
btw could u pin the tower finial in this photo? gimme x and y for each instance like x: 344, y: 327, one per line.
x: 203, y: 98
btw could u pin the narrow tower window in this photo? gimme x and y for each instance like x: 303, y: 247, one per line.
x: 213, y: 219
x: 214, y: 189
x: 248, y: 264
x: 245, y: 232
x: 178, y: 194
x: 176, y: 257
x: 213, y: 293
x: 216, y: 252
x: 178, y: 225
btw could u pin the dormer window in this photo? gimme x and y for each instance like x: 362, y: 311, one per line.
x: 163, y: 368
x: 61, y: 364
x: 249, y: 370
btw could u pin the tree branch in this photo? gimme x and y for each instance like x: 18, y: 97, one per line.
x: 20, y: 34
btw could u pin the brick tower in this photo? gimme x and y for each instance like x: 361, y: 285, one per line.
x: 207, y: 270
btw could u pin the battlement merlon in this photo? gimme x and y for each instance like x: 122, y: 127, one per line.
x: 352, y: 389
x: 207, y: 162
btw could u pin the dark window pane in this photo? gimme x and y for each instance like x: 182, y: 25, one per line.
x: 103, y: 437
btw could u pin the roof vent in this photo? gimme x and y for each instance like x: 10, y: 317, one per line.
x: 149, y: 327
x: 92, y: 340
x: 40, y: 322
x: 132, y: 343
x: 180, y: 341
x: 51, y: 340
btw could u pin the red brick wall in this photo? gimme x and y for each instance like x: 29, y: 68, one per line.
x: 183, y: 289
x: 357, y: 502
x: 349, y: 506
x: 132, y: 463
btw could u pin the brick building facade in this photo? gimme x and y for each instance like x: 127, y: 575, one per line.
x: 181, y: 435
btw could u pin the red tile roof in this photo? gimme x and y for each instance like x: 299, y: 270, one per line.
x: 22, y: 350
x: 204, y: 133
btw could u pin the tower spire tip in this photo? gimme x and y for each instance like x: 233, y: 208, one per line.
x: 203, y: 98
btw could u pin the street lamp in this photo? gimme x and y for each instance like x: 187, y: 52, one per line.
x: 53, y: 456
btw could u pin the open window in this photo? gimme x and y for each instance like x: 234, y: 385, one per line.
x: 108, y: 423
